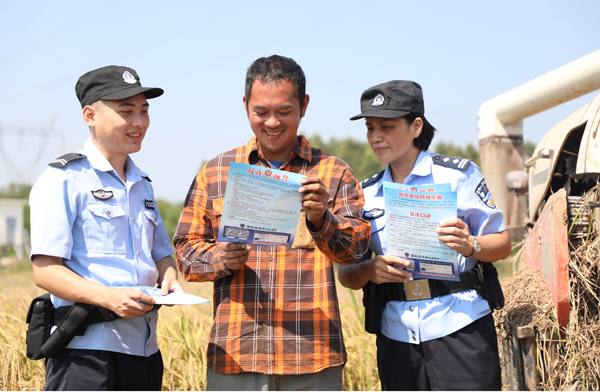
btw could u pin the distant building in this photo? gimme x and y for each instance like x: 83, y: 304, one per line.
x: 12, y: 232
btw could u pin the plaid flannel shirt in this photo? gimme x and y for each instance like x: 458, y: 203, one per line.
x: 279, y: 313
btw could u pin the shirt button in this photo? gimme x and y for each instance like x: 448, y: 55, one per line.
x: 413, y: 332
x: 267, y: 322
x: 148, y: 345
x: 414, y: 338
x: 133, y: 219
x: 268, y: 289
x: 138, y: 252
x: 155, y: 219
x: 411, y: 308
x: 108, y: 213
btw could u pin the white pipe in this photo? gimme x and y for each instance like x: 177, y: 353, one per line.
x: 555, y: 87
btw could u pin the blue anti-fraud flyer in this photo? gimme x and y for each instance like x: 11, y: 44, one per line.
x: 261, y: 207
x: 413, y: 213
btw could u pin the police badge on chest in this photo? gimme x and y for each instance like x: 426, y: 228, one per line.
x: 101, y: 194
x: 373, y: 214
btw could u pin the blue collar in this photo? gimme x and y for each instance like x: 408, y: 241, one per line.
x: 99, y: 162
x: 423, y: 167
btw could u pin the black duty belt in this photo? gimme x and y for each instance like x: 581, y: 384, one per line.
x: 430, y: 288
x: 95, y: 315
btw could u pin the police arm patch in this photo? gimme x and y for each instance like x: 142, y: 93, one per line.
x: 484, y: 195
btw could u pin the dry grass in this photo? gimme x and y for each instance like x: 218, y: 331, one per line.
x: 360, y: 372
x: 16, y: 371
x: 527, y: 302
x: 571, y: 359
x: 183, y: 333
x: 579, y: 352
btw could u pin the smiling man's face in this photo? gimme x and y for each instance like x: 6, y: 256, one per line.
x: 274, y: 113
x: 120, y: 126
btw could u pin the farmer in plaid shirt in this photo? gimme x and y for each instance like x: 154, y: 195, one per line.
x: 276, y: 318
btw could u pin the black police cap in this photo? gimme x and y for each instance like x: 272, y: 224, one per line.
x: 112, y: 83
x: 393, y: 99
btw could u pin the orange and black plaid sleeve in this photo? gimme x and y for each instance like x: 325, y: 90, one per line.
x: 195, y: 239
x: 345, y: 236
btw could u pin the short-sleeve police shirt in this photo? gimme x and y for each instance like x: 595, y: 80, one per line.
x: 107, y: 231
x: 422, y: 320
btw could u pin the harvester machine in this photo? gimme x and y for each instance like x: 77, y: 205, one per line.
x: 547, y: 199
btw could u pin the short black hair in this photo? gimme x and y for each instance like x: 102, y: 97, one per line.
x: 274, y: 69
x: 423, y: 141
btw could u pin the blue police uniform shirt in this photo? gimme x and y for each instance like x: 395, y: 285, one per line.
x: 423, y: 320
x: 107, y: 231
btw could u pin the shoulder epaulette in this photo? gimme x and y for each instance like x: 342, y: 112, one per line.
x: 451, y: 162
x: 62, y: 161
x: 372, y: 179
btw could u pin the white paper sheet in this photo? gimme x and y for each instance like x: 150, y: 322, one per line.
x: 171, y: 298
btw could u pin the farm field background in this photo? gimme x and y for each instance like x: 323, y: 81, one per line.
x: 183, y: 333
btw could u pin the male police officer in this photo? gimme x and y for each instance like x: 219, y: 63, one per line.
x: 95, y: 230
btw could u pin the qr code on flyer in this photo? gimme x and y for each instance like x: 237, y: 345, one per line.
x: 234, y: 232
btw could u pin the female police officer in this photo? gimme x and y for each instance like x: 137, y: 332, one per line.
x: 446, y: 341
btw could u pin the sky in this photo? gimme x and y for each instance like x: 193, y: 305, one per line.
x: 463, y: 53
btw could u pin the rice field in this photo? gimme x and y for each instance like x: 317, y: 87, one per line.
x: 183, y: 333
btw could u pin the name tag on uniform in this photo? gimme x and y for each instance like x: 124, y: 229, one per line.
x: 149, y: 204
x: 101, y: 194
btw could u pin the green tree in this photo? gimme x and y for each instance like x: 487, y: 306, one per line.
x: 357, y: 154
x: 15, y: 191
x: 529, y: 147
x: 170, y: 215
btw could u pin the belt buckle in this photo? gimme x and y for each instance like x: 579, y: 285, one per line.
x: 417, y: 289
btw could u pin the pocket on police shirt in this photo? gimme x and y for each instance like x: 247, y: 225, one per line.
x: 105, y: 228
x: 151, y: 221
